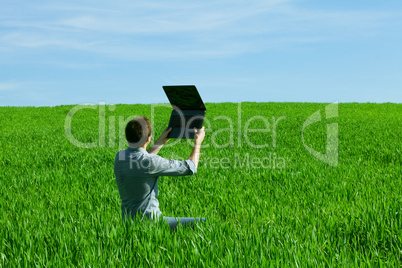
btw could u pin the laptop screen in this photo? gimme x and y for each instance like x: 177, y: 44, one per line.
x: 184, y: 97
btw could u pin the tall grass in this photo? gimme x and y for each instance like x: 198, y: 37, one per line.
x: 59, y: 204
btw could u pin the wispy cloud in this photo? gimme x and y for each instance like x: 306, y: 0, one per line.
x: 9, y: 86
x: 178, y: 29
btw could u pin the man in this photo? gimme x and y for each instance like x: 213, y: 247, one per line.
x: 137, y: 171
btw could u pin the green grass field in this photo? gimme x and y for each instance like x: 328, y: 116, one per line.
x: 276, y: 205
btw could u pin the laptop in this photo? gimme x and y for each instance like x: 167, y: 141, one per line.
x: 188, y: 111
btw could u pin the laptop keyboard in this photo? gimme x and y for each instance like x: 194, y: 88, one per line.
x: 175, y: 121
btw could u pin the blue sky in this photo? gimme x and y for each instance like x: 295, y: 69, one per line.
x: 71, y: 52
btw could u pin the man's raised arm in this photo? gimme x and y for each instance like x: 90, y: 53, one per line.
x: 198, y: 138
x: 157, y: 146
x: 195, y: 153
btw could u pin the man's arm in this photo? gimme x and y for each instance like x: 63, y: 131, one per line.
x: 198, y: 138
x: 195, y: 153
x: 164, y: 167
x: 157, y: 146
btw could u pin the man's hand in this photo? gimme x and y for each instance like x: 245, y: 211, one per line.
x: 199, y: 135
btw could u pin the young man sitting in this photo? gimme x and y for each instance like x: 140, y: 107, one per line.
x: 137, y: 171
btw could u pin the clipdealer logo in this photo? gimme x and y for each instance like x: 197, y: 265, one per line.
x: 330, y: 156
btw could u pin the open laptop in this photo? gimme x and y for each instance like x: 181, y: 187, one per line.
x: 188, y: 111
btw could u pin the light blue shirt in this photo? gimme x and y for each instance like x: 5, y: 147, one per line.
x: 137, y: 173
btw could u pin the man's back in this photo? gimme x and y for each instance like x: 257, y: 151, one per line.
x: 137, y: 174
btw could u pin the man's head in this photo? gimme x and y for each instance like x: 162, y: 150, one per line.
x: 138, y: 131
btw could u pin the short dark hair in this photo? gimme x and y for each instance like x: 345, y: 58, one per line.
x: 138, y: 130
